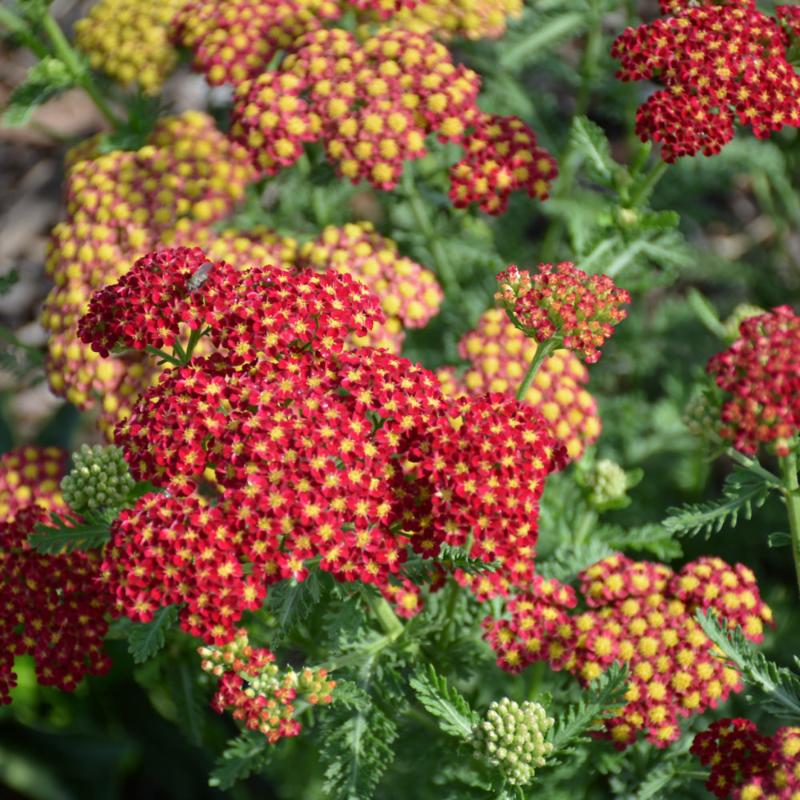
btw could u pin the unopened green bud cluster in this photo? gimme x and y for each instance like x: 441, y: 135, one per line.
x: 702, y: 415
x: 512, y: 739
x: 608, y: 482
x: 98, y: 481
x: 739, y: 314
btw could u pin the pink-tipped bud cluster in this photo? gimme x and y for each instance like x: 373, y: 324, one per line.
x: 562, y: 302
x: 257, y: 692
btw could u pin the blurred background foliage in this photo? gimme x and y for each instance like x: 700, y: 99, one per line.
x: 737, y: 240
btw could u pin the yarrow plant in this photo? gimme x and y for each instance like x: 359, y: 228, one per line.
x: 348, y: 495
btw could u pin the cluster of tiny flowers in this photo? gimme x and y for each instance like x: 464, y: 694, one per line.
x: 98, y: 481
x: 30, y: 476
x: 313, y: 450
x: 129, y: 40
x: 372, y: 103
x: 121, y: 205
x: 256, y: 692
x: 501, y: 156
x: 640, y: 613
x: 563, y: 302
x: 790, y: 17
x: 235, y: 40
x: 499, y: 355
x: 718, y: 62
x: 759, y: 373
x: 512, y: 739
x: 409, y: 294
x: 51, y: 606
x: 465, y: 19
x: 746, y: 764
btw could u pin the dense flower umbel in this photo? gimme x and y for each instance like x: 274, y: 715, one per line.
x: 499, y: 355
x: 759, y: 371
x: 718, y: 62
x: 235, y: 40
x: 790, y: 17
x: 501, y: 156
x: 746, y: 764
x: 408, y: 293
x: 257, y: 693
x: 563, y: 302
x: 643, y: 614
x: 372, y: 103
x: 129, y: 41
x: 51, y: 606
x: 314, y: 451
x: 512, y: 739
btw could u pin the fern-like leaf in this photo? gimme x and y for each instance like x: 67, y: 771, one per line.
x: 291, y: 602
x: 601, y: 699
x: 357, y: 751
x: 744, y: 491
x: 145, y: 639
x: 67, y: 534
x: 779, y: 685
x: 245, y: 755
x: 447, y: 704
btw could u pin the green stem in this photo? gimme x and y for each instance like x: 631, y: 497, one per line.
x: 791, y: 493
x: 388, y: 620
x: 645, y: 189
x: 543, y: 351
x: 444, y: 269
x: 65, y: 52
x: 18, y: 27
x: 170, y: 359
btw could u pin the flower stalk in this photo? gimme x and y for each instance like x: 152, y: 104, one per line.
x: 791, y: 494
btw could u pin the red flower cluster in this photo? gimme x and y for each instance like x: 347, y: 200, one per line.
x: 746, y: 764
x: 237, y: 39
x: 314, y: 451
x: 563, y: 302
x: 790, y: 17
x: 759, y: 370
x: 501, y: 156
x: 640, y: 613
x: 253, y: 688
x: 499, y: 354
x: 51, y: 606
x: 372, y: 103
x: 718, y: 61
x: 408, y: 293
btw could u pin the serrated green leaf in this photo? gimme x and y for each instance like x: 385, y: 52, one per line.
x: 67, y: 534
x: 590, y: 141
x: 145, y: 639
x: 248, y: 753
x: 183, y: 688
x: 290, y: 602
x: 744, y: 491
x: 536, y: 44
x: 44, y: 80
x: 452, y: 711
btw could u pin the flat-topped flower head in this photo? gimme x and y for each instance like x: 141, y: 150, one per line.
x: 719, y: 63
x: 163, y: 292
x: 564, y: 303
x: 759, y: 374
x: 501, y: 156
x: 643, y: 614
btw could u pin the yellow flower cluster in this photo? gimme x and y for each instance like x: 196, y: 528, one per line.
x: 499, y: 355
x: 129, y: 40
x: 408, y: 293
x: 468, y: 19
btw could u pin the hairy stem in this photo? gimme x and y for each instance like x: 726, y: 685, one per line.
x: 388, y: 620
x: 543, y: 351
x: 791, y: 493
x: 645, y: 189
x: 17, y: 26
x: 63, y: 50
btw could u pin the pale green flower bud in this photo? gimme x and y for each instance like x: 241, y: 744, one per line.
x: 98, y: 481
x: 607, y: 481
x: 512, y: 738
